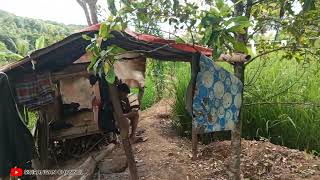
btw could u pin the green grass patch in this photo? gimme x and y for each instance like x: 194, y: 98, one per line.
x: 281, y: 102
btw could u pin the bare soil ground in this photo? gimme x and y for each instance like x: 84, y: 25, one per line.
x: 166, y: 156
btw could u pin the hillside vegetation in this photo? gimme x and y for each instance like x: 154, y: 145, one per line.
x: 20, y: 35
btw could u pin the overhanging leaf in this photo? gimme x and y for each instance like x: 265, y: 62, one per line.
x: 240, y: 47
x: 110, y: 76
x: 106, y: 67
x: 207, y: 36
x: 103, y: 31
x: 241, y: 21
x: 92, y: 62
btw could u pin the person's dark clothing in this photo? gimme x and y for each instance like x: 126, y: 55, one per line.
x: 106, y: 120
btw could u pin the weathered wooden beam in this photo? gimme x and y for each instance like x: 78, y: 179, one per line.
x: 189, y: 100
x: 79, y: 69
x: 58, y: 76
x: 124, y: 131
x: 74, y: 132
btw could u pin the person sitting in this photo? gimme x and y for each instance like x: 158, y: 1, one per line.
x: 131, y: 113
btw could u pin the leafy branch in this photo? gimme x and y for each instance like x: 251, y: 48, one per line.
x: 265, y: 53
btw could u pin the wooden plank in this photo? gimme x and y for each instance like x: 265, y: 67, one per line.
x: 79, y: 69
x: 59, y: 76
x: 76, y: 131
x: 83, y: 125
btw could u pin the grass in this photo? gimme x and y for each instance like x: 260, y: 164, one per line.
x: 281, y: 102
x: 181, y: 118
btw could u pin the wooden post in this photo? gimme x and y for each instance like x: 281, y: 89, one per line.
x: 194, y: 143
x: 236, y: 133
x: 124, y: 131
x: 189, y: 99
x: 43, y: 138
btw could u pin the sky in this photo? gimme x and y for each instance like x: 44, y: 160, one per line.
x: 62, y: 11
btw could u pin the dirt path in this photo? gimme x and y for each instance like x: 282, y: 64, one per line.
x: 166, y: 156
x: 160, y: 154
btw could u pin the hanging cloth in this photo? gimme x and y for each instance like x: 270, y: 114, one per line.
x: 16, y: 141
x: 35, y: 90
x: 217, y: 98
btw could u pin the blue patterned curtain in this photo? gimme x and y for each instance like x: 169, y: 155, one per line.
x: 217, y: 98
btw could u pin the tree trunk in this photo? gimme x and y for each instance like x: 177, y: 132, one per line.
x: 93, y: 10
x: 85, y: 9
x: 239, y: 68
x: 236, y: 133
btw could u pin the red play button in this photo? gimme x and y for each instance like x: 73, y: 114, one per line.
x: 16, y: 172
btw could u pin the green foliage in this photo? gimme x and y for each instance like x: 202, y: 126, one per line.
x: 22, y: 47
x: 32, y: 120
x: 149, y: 97
x: 309, y: 5
x: 112, y: 7
x: 22, y: 35
x: 289, y: 110
x: 40, y: 42
x: 181, y: 118
x: 103, y: 58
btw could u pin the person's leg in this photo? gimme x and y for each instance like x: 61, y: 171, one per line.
x: 134, y: 126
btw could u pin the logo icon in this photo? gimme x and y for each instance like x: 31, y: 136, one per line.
x: 16, y: 172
